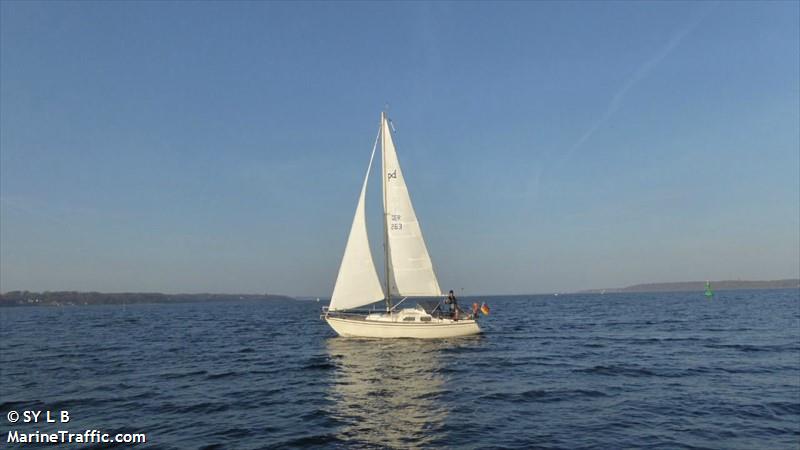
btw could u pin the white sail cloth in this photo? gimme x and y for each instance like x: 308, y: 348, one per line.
x: 410, y: 269
x: 357, y: 283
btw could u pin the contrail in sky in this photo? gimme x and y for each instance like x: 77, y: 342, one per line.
x: 616, y: 100
x: 637, y: 76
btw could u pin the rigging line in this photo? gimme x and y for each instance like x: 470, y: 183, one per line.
x: 398, y: 303
x: 386, y: 256
x: 374, y: 147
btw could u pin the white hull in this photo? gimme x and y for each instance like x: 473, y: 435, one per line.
x: 384, y: 329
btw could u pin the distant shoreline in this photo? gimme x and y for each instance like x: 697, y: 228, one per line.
x: 73, y: 298
x: 685, y: 286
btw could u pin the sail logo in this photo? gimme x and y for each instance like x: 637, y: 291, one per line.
x: 392, y: 174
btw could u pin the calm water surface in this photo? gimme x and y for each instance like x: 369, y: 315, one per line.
x: 574, y: 371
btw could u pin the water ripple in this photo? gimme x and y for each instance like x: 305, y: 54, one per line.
x: 577, y: 371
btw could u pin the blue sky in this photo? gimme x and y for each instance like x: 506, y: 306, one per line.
x: 219, y: 147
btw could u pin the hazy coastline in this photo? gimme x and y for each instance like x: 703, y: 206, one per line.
x: 75, y: 298
x: 682, y: 286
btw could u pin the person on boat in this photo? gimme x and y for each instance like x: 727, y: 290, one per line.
x: 451, y: 300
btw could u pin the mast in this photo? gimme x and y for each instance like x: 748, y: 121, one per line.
x: 385, y: 214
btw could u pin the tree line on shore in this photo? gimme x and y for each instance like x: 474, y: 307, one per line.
x: 69, y: 298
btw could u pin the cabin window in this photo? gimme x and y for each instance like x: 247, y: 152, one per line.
x: 425, y: 319
x: 409, y: 319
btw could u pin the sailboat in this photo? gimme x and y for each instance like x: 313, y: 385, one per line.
x: 408, y: 270
x: 709, y: 293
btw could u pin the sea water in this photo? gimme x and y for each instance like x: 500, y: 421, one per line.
x: 666, y: 370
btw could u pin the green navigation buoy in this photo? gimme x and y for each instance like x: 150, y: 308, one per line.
x: 709, y: 292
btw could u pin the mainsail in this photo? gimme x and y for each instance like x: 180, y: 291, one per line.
x: 410, y: 269
x: 357, y: 283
